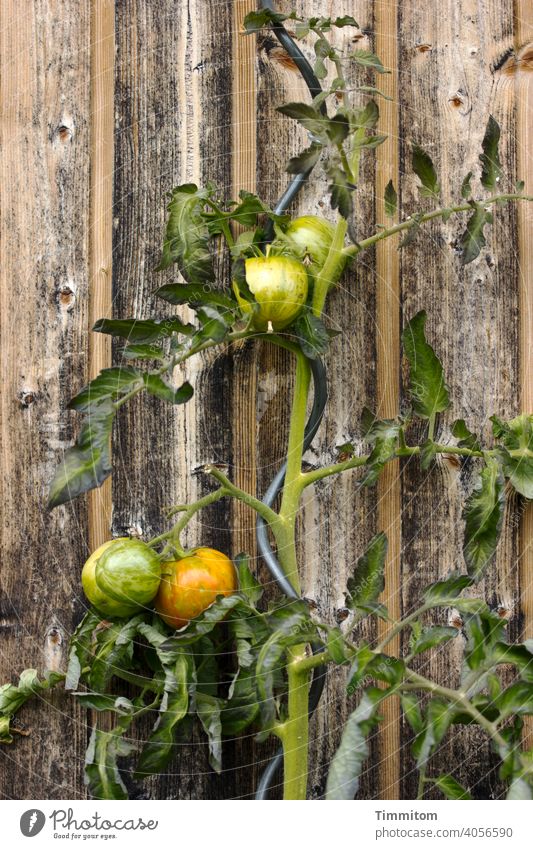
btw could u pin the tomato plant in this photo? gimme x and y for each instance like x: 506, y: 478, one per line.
x: 282, y: 271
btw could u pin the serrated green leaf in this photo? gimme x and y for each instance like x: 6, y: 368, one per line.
x: 335, y: 645
x: 256, y: 21
x: 438, y: 718
x: 309, y: 118
x: 448, y: 589
x: 427, y: 385
x: 14, y: 696
x: 194, y: 294
x: 80, y: 649
x: 248, y: 585
x: 305, y: 161
x: 491, y: 171
x: 341, y: 190
x: 483, y: 515
x: 111, y: 383
x: 391, y: 200
x: 466, y: 438
x: 142, y: 330
x: 412, y: 712
x: 208, y: 711
x: 159, y: 747
x: 451, y: 788
x: 517, y: 457
x: 425, y: 171
x: 88, y: 463
x: 516, y: 700
x: 347, y: 763
x: 345, y: 21
x: 367, y: 581
x: 187, y: 237
x: 312, y: 334
x: 473, y: 238
x: 466, y: 188
x: 102, y: 774
x: 157, y: 386
x: 367, y: 59
x: 431, y: 637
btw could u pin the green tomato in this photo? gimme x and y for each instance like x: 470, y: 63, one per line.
x: 279, y: 285
x: 311, y: 235
x: 129, y: 572
x: 103, y: 603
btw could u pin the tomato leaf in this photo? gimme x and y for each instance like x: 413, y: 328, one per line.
x: 491, y: 171
x: 447, y: 590
x: 80, y: 649
x: 13, y: 696
x: 483, y: 515
x: 248, y: 585
x: 473, y: 238
x: 466, y: 188
x: 412, y: 712
x: 427, y: 385
x: 208, y: 710
x: 438, y: 718
x: 313, y: 335
x: 391, y: 200
x: 102, y: 774
x: 310, y: 118
x: 111, y: 383
x: 194, y: 294
x: 425, y: 171
x: 306, y: 160
x: 367, y: 581
x: 347, y: 763
x: 516, y: 700
x: 143, y: 330
x: 88, y: 463
x: 367, y: 59
x: 431, y: 637
x: 187, y: 237
x: 451, y: 788
x: 516, y: 455
x: 159, y: 747
x: 465, y: 437
x: 158, y: 387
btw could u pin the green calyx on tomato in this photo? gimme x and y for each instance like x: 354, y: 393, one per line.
x: 127, y: 572
x: 279, y: 285
x: 190, y: 585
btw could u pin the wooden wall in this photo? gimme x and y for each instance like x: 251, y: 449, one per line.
x: 105, y: 107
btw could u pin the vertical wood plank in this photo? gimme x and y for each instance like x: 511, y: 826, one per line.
x: 388, y: 374
x: 451, y: 81
x: 101, y: 223
x: 44, y: 170
x: 524, y: 100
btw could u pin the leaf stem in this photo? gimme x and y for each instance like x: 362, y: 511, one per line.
x: 353, y: 250
x: 270, y: 516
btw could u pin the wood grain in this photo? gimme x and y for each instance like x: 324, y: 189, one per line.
x: 447, y: 88
x: 101, y: 224
x: 44, y: 169
x: 388, y: 376
x: 188, y: 98
x: 524, y: 103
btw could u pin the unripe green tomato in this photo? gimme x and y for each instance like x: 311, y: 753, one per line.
x: 311, y: 235
x: 104, y: 604
x: 279, y: 284
x: 129, y: 572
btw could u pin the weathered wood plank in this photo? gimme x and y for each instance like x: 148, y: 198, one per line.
x: 173, y: 105
x: 337, y: 518
x: 388, y: 374
x: 447, y: 88
x: 101, y: 224
x: 44, y: 87
x: 524, y: 102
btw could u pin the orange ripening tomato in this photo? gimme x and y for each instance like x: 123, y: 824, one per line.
x: 190, y: 585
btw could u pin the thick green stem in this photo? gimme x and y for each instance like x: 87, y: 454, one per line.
x: 285, y: 529
x: 294, y: 733
x: 332, y: 268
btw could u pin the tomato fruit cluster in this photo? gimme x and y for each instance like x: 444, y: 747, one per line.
x: 124, y: 576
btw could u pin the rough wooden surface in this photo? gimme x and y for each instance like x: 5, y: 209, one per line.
x: 184, y: 111
x: 44, y: 96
